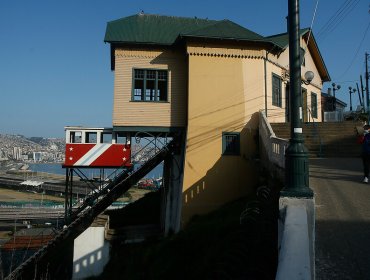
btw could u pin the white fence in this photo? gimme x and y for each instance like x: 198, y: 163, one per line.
x: 274, y: 146
x: 335, y: 116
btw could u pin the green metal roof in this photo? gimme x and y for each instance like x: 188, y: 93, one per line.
x: 282, y: 40
x: 164, y: 30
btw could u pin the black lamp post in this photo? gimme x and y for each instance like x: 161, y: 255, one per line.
x: 335, y: 87
x: 350, y: 97
x: 296, y: 156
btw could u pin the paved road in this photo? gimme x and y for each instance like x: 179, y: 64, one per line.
x: 342, y: 219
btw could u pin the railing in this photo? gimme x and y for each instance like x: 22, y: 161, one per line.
x: 274, y: 146
x: 334, y: 116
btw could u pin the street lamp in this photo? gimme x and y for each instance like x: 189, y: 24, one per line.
x: 296, y: 155
x: 309, y: 75
x: 350, y: 97
x: 335, y: 87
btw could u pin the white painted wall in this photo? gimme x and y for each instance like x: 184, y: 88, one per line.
x: 90, y: 253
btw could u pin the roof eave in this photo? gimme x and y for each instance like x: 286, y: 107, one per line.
x: 260, y: 41
x: 325, y: 75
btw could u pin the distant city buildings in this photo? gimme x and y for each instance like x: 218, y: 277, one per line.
x: 35, y: 149
x: 17, y: 153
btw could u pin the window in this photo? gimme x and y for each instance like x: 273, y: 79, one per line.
x: 276, y: 90
x: 230, y: 143
x: 106, y: 137
x: 314, y: 105
x: 75, y: 137
x: 149, y: 85
x: 121, y: 138
x: 302, y: 53
x: 91, y: 137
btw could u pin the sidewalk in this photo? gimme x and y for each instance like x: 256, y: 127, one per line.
x: 342, y: 218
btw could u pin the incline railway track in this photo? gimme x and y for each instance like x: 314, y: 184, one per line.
x: 37, y: 264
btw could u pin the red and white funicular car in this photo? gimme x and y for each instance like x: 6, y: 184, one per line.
x: 95, y: 147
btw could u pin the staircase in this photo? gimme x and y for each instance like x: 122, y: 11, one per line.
x: 326, y: 139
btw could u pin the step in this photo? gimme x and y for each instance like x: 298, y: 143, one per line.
x: 335, y: 138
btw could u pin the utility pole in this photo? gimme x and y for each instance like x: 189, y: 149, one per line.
x: 350, y: 97
x: 296, y: 155
x: 362, y: 92
x: 359, y: 96
x: 367, y: 86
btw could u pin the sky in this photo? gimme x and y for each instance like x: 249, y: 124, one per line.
x: 55, y: 66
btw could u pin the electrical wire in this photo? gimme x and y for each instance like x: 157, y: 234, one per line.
x: 343, y: 11
x: 313, y: 19
x: 358, y: 49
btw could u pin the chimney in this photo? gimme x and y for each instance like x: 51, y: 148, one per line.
x: 329, y: 91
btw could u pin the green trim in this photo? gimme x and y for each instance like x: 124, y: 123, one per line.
x: 237, y: 143
x: 280, y: 97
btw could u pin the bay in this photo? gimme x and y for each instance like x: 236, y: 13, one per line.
x: 56, y: 168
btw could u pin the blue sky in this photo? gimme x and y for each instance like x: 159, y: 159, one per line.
x: 55, y: 67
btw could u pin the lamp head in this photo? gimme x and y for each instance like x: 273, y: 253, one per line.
x: 309, y: 75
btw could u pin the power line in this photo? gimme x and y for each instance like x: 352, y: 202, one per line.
x: 337, y: 17
x: 358, y: 49
x: 313, y: 19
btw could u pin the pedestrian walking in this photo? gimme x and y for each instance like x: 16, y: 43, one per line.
x: 364, y: 139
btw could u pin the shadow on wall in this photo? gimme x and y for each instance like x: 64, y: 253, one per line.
x: 91, y: 254
x: 91, y: 264
x: 177, y: 67
x: 231, y: 177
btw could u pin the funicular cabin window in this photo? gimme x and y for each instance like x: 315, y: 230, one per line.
x: 75, y: 137
x: 91, y: 137
x: 150, y: 85
x: 121, y: 138
x: 106, y: 137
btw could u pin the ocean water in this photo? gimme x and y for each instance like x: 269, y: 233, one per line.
x: 55, y: 168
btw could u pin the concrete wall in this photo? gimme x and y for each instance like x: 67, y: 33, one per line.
x: 91, y: 253
x: 296, y: 239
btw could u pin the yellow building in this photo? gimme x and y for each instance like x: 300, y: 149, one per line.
x: 206, y: 81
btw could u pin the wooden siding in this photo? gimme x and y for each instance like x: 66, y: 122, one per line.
x: 279, y: 65
x: 163, y: 114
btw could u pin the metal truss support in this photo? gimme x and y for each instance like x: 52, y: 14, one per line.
x: 68, y: 196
